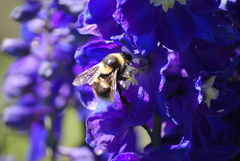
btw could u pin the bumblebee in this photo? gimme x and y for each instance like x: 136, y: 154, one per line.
x: 105, y: 75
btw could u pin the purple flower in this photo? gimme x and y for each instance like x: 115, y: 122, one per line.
x: 201, y: 55
x: 201, y: 101
x: 178, y: 152
x: 7, y: 158
x: 234, y: 8
x: 37, y: 144
x: 211, y: 139
x: 24, y: 69
x: 127, y: 157
x: 80, y: 153
x: 209, y: 94
x: 97, y: 19
x: 40, y: 79
x: 148, y: 99
x: 24, y: 112
x: 180, y: 71
x: 174, y: 23
x: 174, y: 152
x: 71, y: 6
x: 195, y: 60
x: 25, y: 12
x: 15, y: 47
x: 106, y: 129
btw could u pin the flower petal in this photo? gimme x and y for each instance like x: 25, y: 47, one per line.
x: 127, y: 157
x: 133, y: 16
x: 106, y: 129
x: 93, y: 52
x: 37, y: 146
x: 145, y: 43
x: 174, y: 32
x: 97, y: 10
x: 178, y: 152
x: 203, y: 6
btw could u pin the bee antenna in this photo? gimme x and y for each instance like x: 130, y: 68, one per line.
x: 117, y: 47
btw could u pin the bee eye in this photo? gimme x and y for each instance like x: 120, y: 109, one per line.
x: 127, y: 56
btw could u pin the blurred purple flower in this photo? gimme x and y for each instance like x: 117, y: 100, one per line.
x: 25, y: 12
x: 24, y: 112
x: 127, y: 157
x: 40, y: 79
x: 15, y: 47
x: 37, y: 143
x: 77, y: 154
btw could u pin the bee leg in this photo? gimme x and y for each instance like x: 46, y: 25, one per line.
x: 119, y: 77
x: 123, y: 99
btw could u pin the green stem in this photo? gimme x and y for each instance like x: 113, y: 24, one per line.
x: 52, y: 140
x: 157, y: 125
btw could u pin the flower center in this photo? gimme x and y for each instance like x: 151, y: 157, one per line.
x: 166, y: 3
x: 129, y: 73
x: 138, y: 66
x: 209, y: 92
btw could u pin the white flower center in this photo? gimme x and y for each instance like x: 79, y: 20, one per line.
x: 166, y: 3
x: 209, y: 92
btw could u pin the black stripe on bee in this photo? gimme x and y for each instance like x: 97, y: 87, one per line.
x: 101, y: 91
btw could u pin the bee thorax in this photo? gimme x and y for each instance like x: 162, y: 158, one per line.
x: 114, y: 60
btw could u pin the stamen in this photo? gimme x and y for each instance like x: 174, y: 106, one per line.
x: 130, y: 75
x: 171, y: 3
x: 165, y: 6
x: 182, y: 2
x: 220, y: 111
x: 209, y: 92
x: 166, y: 3
x: 137, y: 66
x: 158, y: 2
x: 139, y: 63
x: 151, y: 1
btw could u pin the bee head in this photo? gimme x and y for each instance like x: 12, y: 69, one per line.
x: 127, y: 57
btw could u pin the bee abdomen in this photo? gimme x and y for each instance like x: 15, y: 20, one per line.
x: 101, y: 90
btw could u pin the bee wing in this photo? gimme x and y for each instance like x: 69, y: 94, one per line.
x: 87, y: 76
x: 113, y: 82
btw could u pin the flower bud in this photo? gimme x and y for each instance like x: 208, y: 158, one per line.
x: 25, y: 12
x: 15, y: 47
x: 47, y: 69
